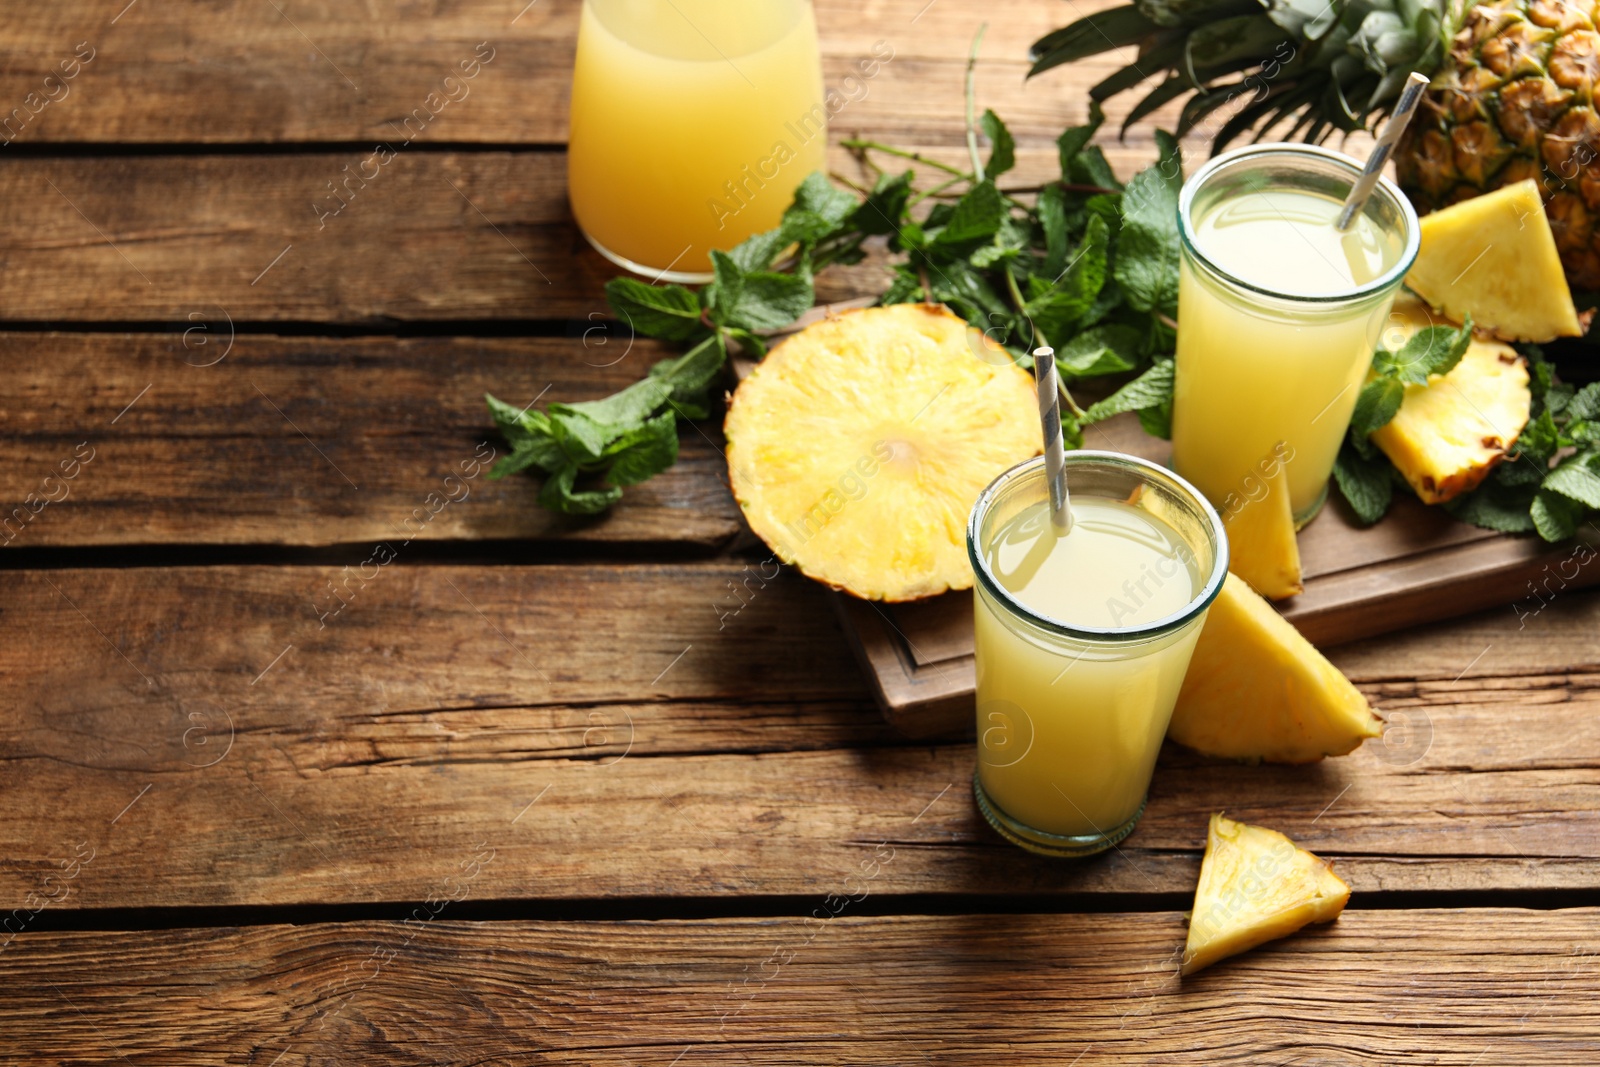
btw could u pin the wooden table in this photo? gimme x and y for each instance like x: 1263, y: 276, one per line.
x: 520, y: 789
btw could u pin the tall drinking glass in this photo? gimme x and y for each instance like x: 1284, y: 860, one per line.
x: 693, y: 121
x: 1278, y: 313
x: 1083, y: 641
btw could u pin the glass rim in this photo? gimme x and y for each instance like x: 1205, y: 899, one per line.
x: 1386, y: 188
x: 1103, y: 635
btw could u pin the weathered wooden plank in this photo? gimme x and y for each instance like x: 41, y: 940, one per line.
x: 298, y: 72
x: 269, y: 758
x: 208, y: 239
x: 433, y: 236
x: 206, y: 437
x: 1428, y: 987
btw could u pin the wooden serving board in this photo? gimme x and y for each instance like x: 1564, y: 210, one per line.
x: 1417, y: 565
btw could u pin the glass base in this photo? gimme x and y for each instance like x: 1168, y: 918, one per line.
x: 1303, y: 520
x: 679, y: 277
x: 1046, y: 844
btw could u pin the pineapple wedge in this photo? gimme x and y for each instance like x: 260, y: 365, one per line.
x: 1450, y: 433
x: 857, y: 447
x: 1261, y: 544
x: 1257, y: 690
x: 1493, y: 257
x: 1255, y: 885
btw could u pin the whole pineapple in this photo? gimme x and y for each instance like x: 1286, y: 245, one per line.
x: 1512, y: 92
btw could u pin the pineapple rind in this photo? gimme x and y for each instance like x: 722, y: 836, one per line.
x: 1257, y: 690
x: 1493, y: 258
x: 1513, y: 100
x: 1255, y: 886
x: 857, y: 447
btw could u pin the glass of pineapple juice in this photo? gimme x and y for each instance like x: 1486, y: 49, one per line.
x: 693, y: 122
x: 1278, y: 313
x: 1082, y: 642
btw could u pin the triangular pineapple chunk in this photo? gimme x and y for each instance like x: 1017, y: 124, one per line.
x: 1493, y: 257
x: 1255, y: 886
x: 1260, y: 524
x: 1449, y: 433
x: 1256, y: 689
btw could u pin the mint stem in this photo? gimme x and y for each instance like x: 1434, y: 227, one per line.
x: 972, y: 102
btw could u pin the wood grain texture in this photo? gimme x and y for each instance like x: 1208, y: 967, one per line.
x: 449, y: 236
x: 305, y: 72
x: 670, y: 746
x: 205, y: 437
x: 1458, y: 988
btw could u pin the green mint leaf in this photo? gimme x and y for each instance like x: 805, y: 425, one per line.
x: 884, y: 210
x: 754, y: 346
x: 1376, y: 404
x: 669, y: 312
x: 558, y: 495
x: 1077, y: 138
x: 1052, y: 211
x: 1540, y: 439
x: 1147, y: 248
x: 1003, y: 156
x: 1555, y: 516
x: 759, y: 250
x: 1157, y: 421
x: 1585, y: 403
x: 1494, y: 506
x: 756, y: 300
x: 1151, y: 389
x: 695, y: 370
x: 517, y: 425
x: 644, y: 451
x: 821, y: 197
x: 968, y: 293
x: 977, y: 216
x: 1364, y: 483
x: 1541, y: 374
x: 520, y: 459
x: 580, y: 437
x: 905, y: 289
x: 1071, y: 429
x: 1576, y: 480
x: 621, y: 409
x: 1431, y: 350
x: 1073, y: 292
x: 909, y: 238
x: 1109, y: 349
x: 1089, y: 167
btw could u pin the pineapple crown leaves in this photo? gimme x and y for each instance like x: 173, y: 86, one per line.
x: 1328, y: 65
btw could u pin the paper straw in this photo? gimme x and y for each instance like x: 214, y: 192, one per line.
x: 1044, y: 370
x: 1410, y: 97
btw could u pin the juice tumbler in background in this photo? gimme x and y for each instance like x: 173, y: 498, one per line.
x: 1278, y: 313
x: 1082, y: 642
x: 693, y: 121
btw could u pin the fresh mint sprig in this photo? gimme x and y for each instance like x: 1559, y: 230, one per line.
x: 1079, y: 263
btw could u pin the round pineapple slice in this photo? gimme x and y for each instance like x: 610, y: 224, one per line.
x: 858, y: 447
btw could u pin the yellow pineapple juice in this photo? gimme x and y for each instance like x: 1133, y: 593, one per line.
x: 1082, y: 641
x: 1278, y: 314
x: 693, y: 121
